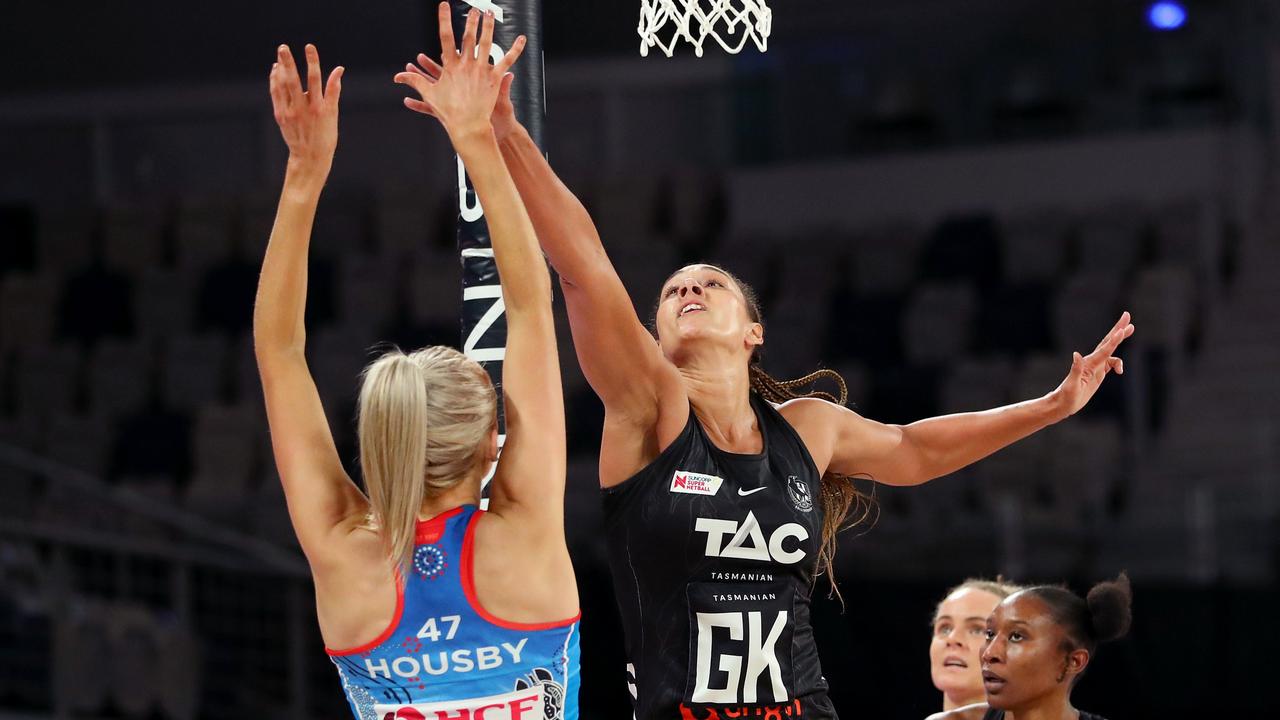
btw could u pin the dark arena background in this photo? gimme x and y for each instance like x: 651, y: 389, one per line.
x: 939, y: 199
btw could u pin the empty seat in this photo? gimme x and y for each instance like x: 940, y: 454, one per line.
x: 884, y: 259
x: 937, y: 325
x: 695, y: 204
x: 226, y: 442
x: 27, y: 305
x: 80, y: 441
x: 225, y: 294
x: 133, y: 238
x: 338, y: 356
x: 404, y: 224
x: 119, y: 378
x: 367, y: 291
x: 341, y: 227
x: 964, y: 248
x: 1040, y: 374
x: 434, y: 288
x: 17, y: 238
x: 1085, y: 309
x: 192, y: 370
x: 1015, y: 472
x: 166, y: 300
x: 135, y: 659
x: 1164, y: 300
x: 1110, y: 239
x: 65, y: 239
x: 643, y: 265
x: 47, y: 380
x: 1034, y: 247
x: 1186, y: 234
x: 903, y: 395
x: 794, y: 326
x: 1084, y: 466
x: 97, y: 302
x: 203, y: 233
x: 866, y: 327
x: 269, y: 515
x: 978, y: 384
x: 624, y: 209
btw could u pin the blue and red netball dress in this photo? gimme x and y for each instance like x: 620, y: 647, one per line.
x: 445, y: 658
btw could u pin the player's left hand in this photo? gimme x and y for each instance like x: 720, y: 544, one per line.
x: 1088, y: 371
x: 463, y: 89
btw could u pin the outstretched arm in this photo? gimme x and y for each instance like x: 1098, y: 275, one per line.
x: 321, y: 497
x: 531, y: 473
x: 912, y: 454
x: 617, y: 354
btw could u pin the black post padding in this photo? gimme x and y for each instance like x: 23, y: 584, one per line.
x: 479, y: 272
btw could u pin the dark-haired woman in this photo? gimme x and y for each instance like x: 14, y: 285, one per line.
x: 1039, y: 643
x: 723, y: 490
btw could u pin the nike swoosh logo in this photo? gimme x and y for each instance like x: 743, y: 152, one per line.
x: 745, y: 493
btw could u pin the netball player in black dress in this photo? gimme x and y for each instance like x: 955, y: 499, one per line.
x: 1039, y: 643
x: 721, y: 506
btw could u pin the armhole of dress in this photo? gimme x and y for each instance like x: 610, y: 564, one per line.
x: 467, y: 571
x: 666, y: 453
x: 385, y: 634
x: 799, y: 441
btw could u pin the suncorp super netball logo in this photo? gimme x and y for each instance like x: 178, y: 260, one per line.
x: 694, y: 483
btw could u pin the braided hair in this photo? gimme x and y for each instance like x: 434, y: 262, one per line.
x: 844, y: 506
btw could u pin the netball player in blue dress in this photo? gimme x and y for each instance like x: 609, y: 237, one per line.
x: 432, y: 608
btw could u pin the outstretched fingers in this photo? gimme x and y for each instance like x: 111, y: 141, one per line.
x: 314, y: 93
x: 517, y: 48
x: 1121, y: 330
x: 486, y: 37
x: 468, y: 48
x: 333, y: 88
x: 448, y: 46
x: 279, y: 98
x: 416, y: 80
x: 290, y: 83
x: 429, y: 67
x: 419, y: 106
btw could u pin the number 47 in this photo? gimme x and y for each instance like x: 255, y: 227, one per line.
x: 429, y: 631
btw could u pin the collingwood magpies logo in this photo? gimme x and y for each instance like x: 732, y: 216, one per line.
x: 552, y: 692
x: 799, y: 492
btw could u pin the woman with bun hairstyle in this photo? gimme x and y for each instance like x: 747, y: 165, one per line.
x: 1039, y: 643
x: 959, y: 634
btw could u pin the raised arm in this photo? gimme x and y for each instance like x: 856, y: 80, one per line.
x: 531, y: 473
x: 321, y: 498
x: 617, y: 354
x: 850, y: 444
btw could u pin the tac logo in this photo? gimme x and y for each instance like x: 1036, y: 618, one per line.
x: 799, y: 492
x: 694, y: 483
x: 526, y: 704
x: 747, y: 541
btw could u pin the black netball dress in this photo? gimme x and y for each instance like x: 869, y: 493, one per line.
x: 713, y: 555
x: 994, y: 714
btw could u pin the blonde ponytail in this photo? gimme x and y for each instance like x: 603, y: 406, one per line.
x: 424, y: 422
